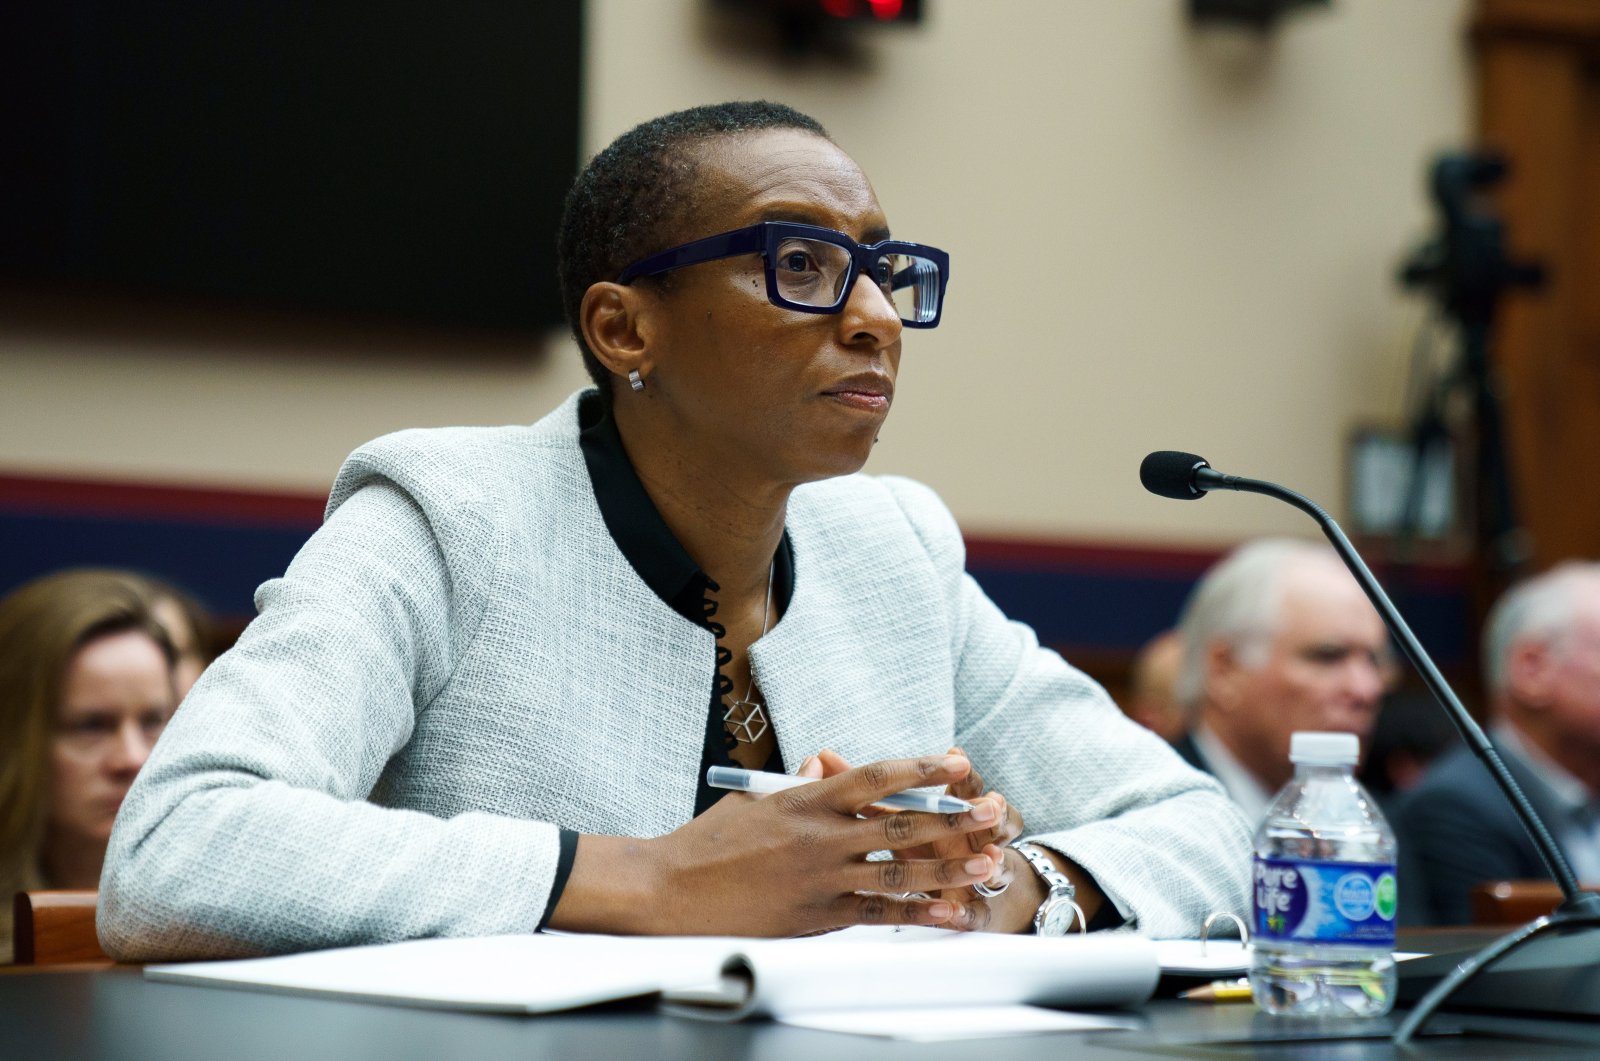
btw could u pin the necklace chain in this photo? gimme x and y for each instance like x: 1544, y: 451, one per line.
x: 744, y: 717
x: 766, y: 616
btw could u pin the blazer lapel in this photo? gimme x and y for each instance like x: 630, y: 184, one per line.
x: 645, y: 709
x: 824, y: 670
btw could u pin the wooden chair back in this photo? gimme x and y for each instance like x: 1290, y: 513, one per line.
x: 1515, y: 902
x: 55, y: 928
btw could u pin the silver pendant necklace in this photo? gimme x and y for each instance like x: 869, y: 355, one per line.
x: 745, y: 718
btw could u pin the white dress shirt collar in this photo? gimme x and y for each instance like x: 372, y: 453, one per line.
x: 1568, y: 791
x: 1579, y: 830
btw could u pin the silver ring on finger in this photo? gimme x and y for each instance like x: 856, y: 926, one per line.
x: 983, y: 889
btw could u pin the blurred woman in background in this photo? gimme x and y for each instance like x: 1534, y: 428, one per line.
x: 188, y: 626
x: 87, y: 683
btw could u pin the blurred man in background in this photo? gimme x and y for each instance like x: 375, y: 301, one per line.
x: 1411, y: 733
x: 1541, y: 651
x: 1152, y: 696
x: 1277, y: 637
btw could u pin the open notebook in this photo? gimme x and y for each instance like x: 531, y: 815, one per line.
x: 722, y: 978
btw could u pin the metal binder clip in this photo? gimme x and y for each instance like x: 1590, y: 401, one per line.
x: 1205, y: 929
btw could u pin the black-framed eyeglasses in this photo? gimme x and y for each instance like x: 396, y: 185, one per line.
x: 814, y: 269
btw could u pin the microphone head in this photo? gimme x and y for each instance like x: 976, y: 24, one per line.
x: 1170, y: 473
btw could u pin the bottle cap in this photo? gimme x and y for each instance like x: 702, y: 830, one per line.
x: 1327, y: 749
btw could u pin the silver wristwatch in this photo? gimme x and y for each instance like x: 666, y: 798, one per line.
x: 1060, y: 907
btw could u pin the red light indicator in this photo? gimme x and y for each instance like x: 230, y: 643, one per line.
x: 886, y: 9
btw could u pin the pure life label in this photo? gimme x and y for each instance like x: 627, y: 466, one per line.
x: 1325, y: 902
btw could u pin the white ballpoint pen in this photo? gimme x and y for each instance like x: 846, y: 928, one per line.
x: 762, y: 781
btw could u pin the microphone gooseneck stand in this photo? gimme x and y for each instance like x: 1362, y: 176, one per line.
x: 1578, y: 909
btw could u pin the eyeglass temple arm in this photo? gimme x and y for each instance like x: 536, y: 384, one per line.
x: 724, y: 245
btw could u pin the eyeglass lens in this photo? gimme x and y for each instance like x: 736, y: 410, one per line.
x: 812, y: 273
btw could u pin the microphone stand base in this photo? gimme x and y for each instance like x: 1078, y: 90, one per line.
x: 1549, y: 967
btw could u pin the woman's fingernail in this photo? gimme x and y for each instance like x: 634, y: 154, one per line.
x: 984, y: 812
x: 955, y: 762
x: 980, y: 865
x: 941, y: 911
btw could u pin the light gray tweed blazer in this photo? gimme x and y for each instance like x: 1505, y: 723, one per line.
x: 461, y: 660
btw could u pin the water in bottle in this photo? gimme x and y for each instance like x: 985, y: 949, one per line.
x: 1325, y: 890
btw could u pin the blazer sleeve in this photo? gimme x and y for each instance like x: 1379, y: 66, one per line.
x: 249, y: 830
x: 1160, y: 838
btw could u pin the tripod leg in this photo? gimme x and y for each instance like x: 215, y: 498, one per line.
x: 1501, y: 538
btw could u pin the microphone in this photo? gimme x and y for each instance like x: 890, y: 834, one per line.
x: 1180, y: 476
x: 1188, y: 477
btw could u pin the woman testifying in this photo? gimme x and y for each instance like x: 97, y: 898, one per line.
x: 484, y: 696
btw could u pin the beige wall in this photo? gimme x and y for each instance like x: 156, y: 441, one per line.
x: 1161, y: 238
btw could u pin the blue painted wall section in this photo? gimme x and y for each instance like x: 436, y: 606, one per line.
x: 221, y: 564
x: 1117, y: 611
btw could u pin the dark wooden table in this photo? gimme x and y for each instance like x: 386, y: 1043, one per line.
x: 110, y: 1013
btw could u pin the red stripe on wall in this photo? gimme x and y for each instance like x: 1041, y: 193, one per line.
x: 159, y: 501
x: 1033, y: 554
x: 1150, y: 561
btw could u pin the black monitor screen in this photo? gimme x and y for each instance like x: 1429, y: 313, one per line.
x: 404, y: 159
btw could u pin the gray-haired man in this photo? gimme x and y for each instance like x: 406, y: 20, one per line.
x: 1541, y: 655
x: 1278, y: 637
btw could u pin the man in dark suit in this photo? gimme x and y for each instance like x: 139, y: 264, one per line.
x: 1542, y: 669
x: 1277, y: 638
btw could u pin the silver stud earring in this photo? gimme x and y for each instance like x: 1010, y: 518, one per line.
x: 635, y: 380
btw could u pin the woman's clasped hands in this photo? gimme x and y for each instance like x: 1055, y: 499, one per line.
x: 1016, y: 891
x: 795, y: 862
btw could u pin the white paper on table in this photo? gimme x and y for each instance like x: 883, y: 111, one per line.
x: 857, y: 969
x: 516, y: 974
x: 946, y: 1023
x: 877, y: 969
x: 1218, y: 957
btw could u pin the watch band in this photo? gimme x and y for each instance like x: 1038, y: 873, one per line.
x: 1062, y: 892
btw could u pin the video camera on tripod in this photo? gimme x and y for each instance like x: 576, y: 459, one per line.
x: 1465, y: 268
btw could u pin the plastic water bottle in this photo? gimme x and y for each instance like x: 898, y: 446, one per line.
x: 1325, y: 890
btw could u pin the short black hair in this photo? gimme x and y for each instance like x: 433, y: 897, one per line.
x: 632, y: 199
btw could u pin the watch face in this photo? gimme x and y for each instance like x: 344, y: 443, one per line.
x: 1057, y: 918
